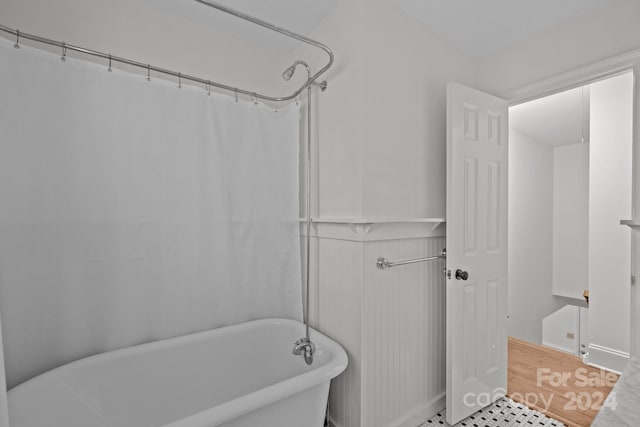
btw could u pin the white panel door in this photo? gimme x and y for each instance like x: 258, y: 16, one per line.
x: 477, y: 148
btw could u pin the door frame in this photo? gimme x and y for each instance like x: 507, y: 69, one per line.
x: 582, y: 76
x: 577, y: 77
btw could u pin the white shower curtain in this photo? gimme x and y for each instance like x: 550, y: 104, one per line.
x: 133, y: 211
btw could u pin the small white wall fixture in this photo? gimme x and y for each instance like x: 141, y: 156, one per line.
x: 561, y: 329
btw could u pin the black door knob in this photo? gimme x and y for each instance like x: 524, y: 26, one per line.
x: 461, y: 275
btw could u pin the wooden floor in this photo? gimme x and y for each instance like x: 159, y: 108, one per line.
x: 555, y: 383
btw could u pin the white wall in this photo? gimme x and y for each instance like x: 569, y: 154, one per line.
x: 609, y: 202
x: 598, y: 35
x: 381, y: 123
x: 571, y: 220
x: 404, y: 155
x: 338, y: 114
x: 530, y: 237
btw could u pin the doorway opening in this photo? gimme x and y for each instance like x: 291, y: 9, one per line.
x: 570, y: 179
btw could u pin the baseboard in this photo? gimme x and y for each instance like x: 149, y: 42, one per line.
x: 606, y: 358
x: 559, y: 348
x: 424, y: 413
x: 421, y: 415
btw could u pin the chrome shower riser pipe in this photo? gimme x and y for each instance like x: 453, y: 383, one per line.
x: 304, y: 345
x: 308, y: 209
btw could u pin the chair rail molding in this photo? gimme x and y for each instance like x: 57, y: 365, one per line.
x: 377, y: 229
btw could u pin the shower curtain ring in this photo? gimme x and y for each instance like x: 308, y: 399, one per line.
x: 298, y: 99
x: 17, y: 45
x: 208, y: 87
x: 148, y: 72
x: 64, y: 52
x: 179, y: 81
x: 109, y: 69
x: 236, y: 92
x: 255, y: 98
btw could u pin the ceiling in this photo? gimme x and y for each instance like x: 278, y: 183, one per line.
x: 553, y: 120
x: 482, y: 27
x: 301, y: 16
x: 475, y: 27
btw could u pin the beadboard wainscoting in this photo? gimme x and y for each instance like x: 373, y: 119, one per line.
x: 391, y: 322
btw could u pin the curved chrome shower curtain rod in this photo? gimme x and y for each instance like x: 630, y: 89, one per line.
x: 207, y: 83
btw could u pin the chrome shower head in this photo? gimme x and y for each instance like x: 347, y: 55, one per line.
x: 288, y: 73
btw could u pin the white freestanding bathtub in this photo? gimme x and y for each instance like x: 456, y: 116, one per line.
x: 242, y: 376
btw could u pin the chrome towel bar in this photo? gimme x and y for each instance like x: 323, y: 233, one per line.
x: 383, y: 263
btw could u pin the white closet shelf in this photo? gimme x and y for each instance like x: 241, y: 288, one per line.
x: 630, y: 223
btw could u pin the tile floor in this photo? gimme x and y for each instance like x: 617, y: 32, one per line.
x: 504, y: 412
